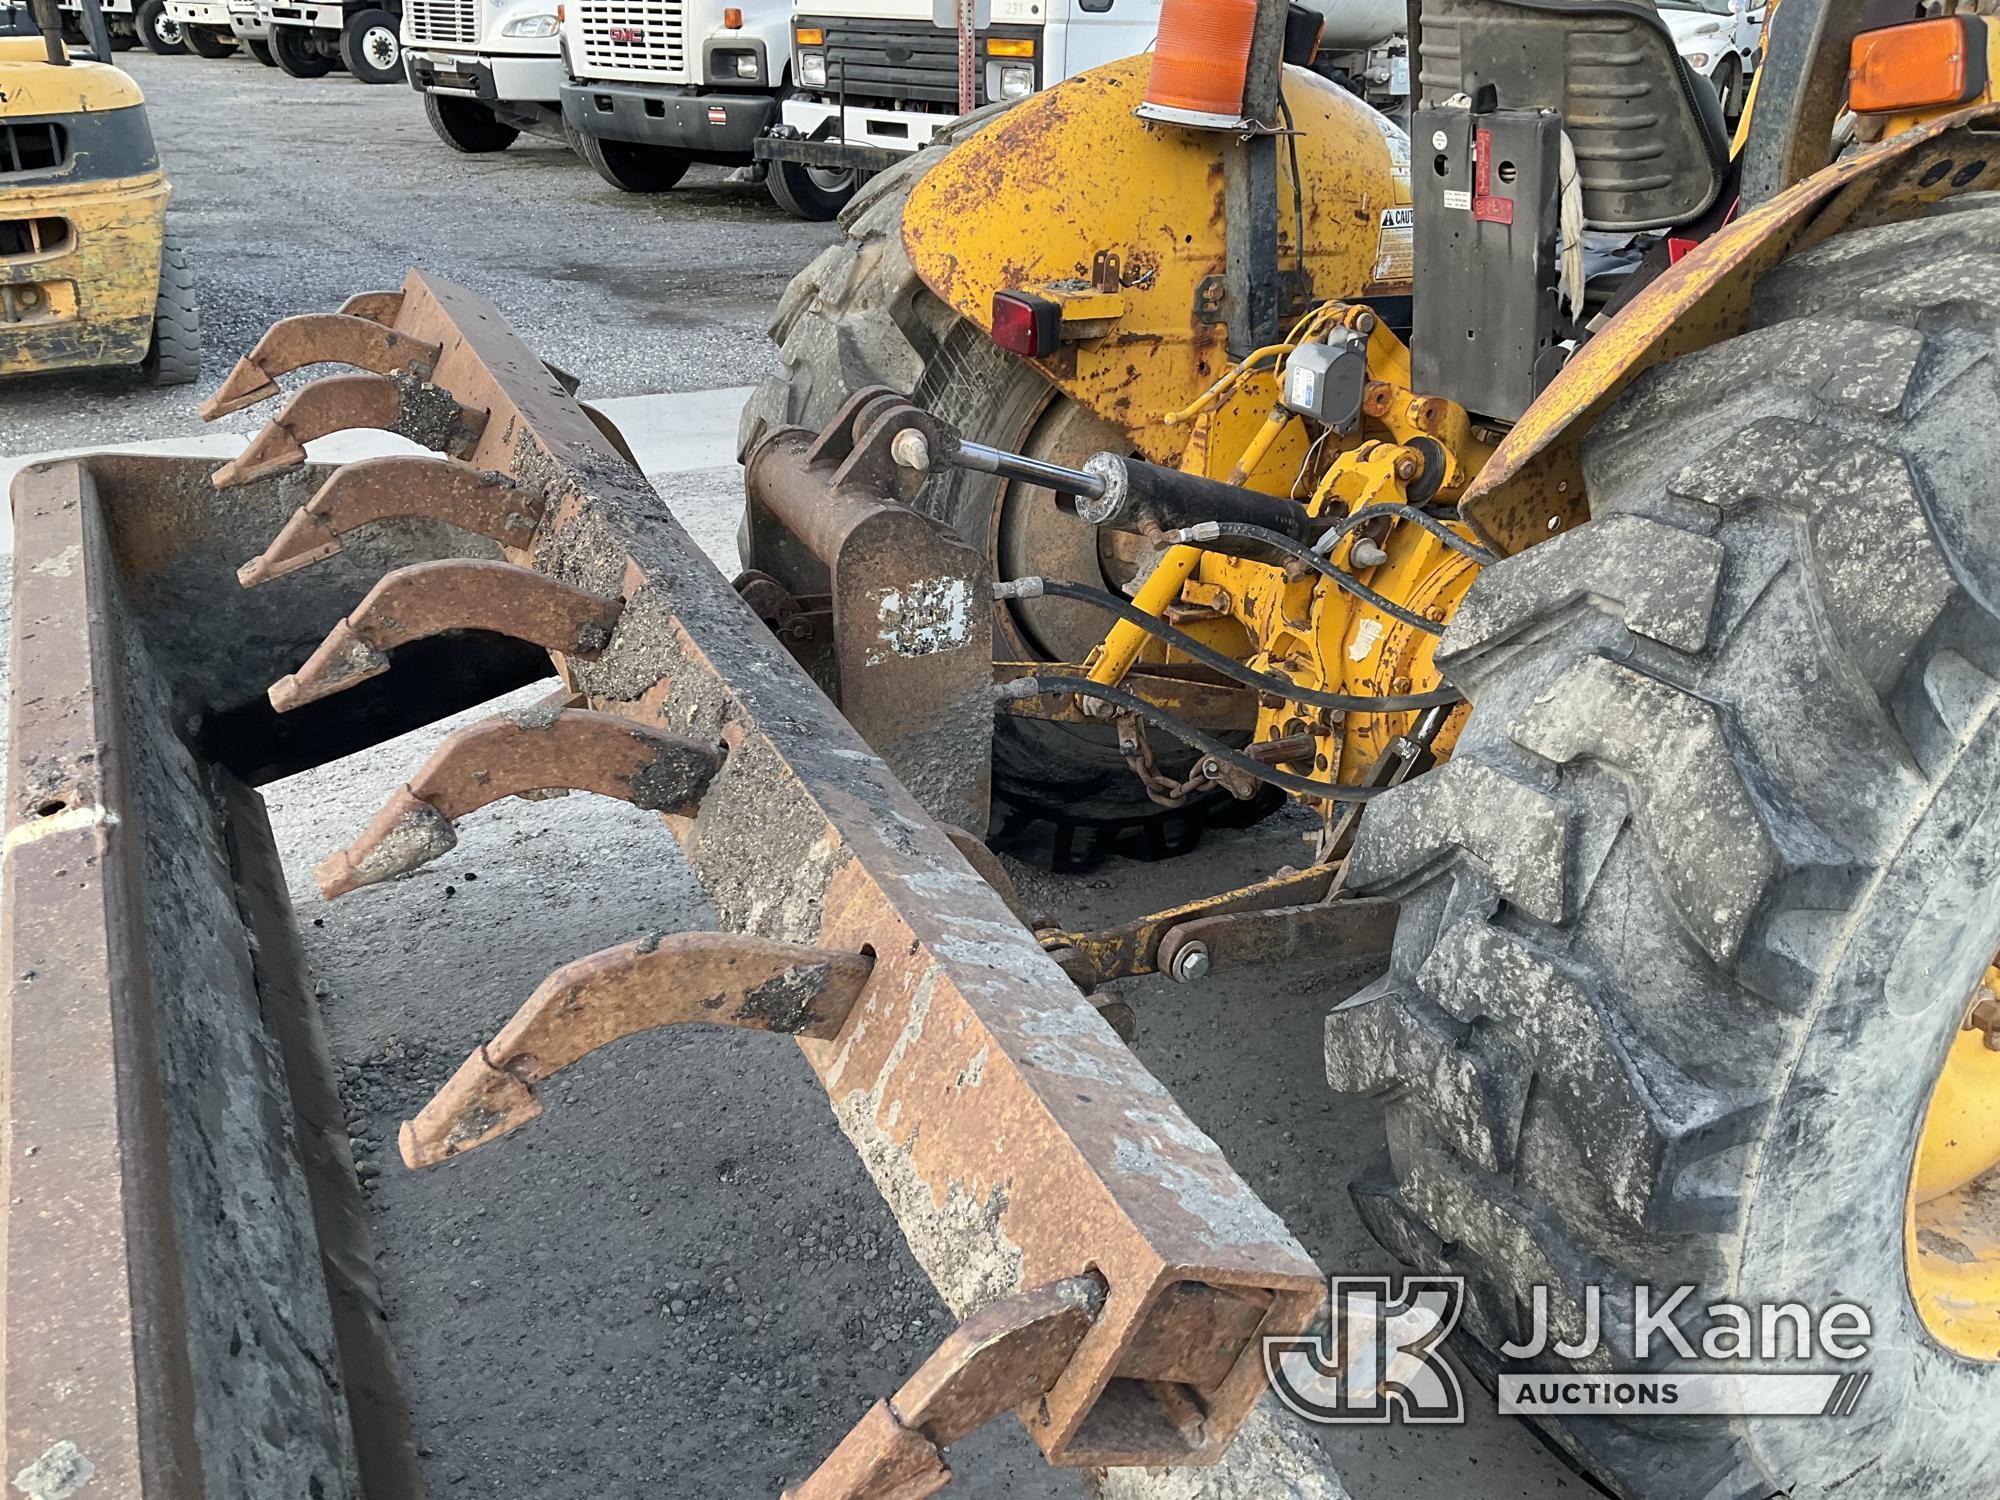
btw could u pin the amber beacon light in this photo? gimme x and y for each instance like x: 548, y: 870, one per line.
x: 1200, y: 62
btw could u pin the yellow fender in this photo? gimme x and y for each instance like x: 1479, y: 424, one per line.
x: 1069, y: 182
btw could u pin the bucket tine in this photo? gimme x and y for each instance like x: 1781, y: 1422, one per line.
x: 418, y: 410
x: 317, y: 338
x: 426, y: 599
x: 376, y: 307
x: 539, y: 749
x: 482, y: 501
x: 720, y: 978
x: 1005, y: 1355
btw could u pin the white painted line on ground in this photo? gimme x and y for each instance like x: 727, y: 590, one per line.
x: 688, y: 433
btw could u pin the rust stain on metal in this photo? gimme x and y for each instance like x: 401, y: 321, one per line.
x: 313, y: 338
x: 414, y: 408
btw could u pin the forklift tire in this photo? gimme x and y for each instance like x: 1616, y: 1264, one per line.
x: 261, y: 50
x: 204, y: 41
x: 1693, y: 917
x: 810, y: 193
x: 629, y: 167
x: 174, y: 355
x: 467, y: 125
x: 297, y: 57
x: 160, y: 32
x: 370, y: 48
x: 1063, y: 796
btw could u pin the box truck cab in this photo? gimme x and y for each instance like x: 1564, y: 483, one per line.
x: 487, y: 69
x: 657, y: 85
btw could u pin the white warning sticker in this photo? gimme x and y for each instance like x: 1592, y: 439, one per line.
x: 1395, y: 245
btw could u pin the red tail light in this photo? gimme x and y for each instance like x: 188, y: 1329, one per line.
x: 1026, y: 324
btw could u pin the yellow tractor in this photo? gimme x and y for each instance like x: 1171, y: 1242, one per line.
x: 90, y: 276
x: 1582, y: 514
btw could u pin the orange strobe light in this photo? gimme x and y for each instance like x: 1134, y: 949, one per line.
x: 1918, y: 65
x: 1200, y: 62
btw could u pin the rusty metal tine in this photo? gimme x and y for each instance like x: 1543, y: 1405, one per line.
x: 426, y: 599
x: 416, y: 409
x: 376, y: 307
x: 1003, y: 1356
x: 538, y: 749
x: 356, y: 494
x: 721, y: 978
x: 317, y: 338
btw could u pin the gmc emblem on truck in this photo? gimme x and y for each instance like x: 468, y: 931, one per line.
x: 627, y: 36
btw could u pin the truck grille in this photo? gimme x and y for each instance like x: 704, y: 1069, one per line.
x: 446, y: 22
x: 901, y: 61
x: 633, y: 34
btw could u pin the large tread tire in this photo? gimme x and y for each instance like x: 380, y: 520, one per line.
x: 468, y: 126
x: 161, y: 34
x: 858, y: 315
x: 1697, y: 907
x: 174, y: 356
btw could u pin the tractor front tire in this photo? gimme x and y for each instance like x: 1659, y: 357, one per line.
x: 468, y: 126
x: 1695, y: 912
x: 1063, y: 796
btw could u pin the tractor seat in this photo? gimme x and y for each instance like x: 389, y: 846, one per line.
x: 1647, y: 130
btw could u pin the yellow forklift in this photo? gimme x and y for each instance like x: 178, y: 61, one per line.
x: 89, y: 274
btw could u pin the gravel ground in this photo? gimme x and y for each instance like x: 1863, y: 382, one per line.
x: 679, y: 1281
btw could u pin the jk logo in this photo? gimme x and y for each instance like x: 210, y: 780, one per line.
x: 1379, y: 1360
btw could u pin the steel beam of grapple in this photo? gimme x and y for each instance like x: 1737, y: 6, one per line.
x: 406, y: 485
x: 1017, y: 1140
x: 538, y: 750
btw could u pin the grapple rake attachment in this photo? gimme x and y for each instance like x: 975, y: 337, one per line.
x: 1115, y: 1274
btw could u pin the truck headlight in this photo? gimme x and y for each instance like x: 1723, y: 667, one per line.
x: 542, y: 25
x: 1016, y: 81
x: 1697, y: 60
x: 740, y: 65
x: 812, y: 69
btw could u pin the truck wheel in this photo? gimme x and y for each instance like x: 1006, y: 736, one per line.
x: 159, y: 31
x: 813, y: 193
x: 467, y: 125
x: 123, y: 41
x: 203, y: 41
x: 174, y: 355
x: 632, y: 168
x: 261, y: 50
x: 370, y: 48
x: 1695, y: 915
x: 297, y: 57
x: 1063, y: 796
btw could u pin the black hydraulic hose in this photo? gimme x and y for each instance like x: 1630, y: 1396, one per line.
x: 1228, y: 666
x: 1209, y: 530
x: 1304, y: 786
x: 1415, y: 517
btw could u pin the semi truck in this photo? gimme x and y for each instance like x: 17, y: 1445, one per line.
x: 655, y: 86
x: 488, y: 70
x: 877, y: 79
x: 310, y: 38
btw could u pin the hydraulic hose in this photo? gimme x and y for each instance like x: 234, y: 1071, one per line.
x: 1208, y: 531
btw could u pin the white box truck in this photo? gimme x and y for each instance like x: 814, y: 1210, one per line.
x: 656, y: 85
x: 488, y: 69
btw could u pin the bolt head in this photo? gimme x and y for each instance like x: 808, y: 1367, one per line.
x: 1191, y: 963
x: 910, y: 451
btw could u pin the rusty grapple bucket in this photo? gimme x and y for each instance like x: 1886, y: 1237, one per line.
x: 177, y: 1169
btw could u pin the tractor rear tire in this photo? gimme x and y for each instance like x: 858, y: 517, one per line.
x: 468, y: 126
x: 174, y: 356
x: 261, y: 50
x: 1697, y: 908
x: 629, y: 167
x: 296, y: 54
x: 159, y: 31
x: 370, y: 48
x: 1063, y: 796
x: 206, y: 41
